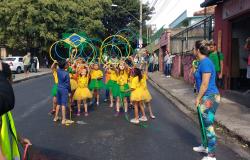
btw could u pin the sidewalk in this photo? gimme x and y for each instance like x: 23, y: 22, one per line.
x: 231, y: 115
x: 21, y: 77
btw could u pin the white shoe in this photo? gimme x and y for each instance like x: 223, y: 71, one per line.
x: 143, y: 119
x: 200, y: 149
x: 208, y: 158
x: 135, y: 121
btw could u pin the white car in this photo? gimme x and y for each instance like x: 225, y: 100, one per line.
x: 15, y: 63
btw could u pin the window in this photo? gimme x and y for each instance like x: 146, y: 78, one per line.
x: 20, y: 60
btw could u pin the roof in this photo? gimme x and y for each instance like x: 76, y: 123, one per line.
x: 209, y: 11
x: 211, y: 2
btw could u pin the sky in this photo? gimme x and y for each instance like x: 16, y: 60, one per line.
x: 166, y: 11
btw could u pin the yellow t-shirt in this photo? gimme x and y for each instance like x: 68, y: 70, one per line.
x: 113, y: 75
x: 95, y: 74
x: 83, y: 82
x: 144, y: 81
x: 55, y: 76
x: 122, y: 79
x: 136, y: 84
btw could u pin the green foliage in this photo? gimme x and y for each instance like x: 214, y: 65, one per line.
x: 37, y: 24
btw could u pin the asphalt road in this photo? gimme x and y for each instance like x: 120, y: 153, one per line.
x: 170, y: 136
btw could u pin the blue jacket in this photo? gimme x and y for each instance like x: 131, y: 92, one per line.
x: 63, y: 79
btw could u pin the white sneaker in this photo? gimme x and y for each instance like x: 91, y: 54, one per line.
x: 135, y: 121
x: 208, y: 158
x: 200, y: 149
x: 143, y: 119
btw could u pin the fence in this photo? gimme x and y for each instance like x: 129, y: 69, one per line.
x: 182, y: 44
x: 184, y: 41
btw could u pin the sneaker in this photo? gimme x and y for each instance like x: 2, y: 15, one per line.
x: 105, y: 100
x: 86, y: 114
x: 111, y: 105
x: 143, y: 119
x: 208, y: 158
x: 78, y: 113
x: 64, y: 122
x: 200, y: 149
x: 97, y: 103
x: 152, y: 116
x: 56, y: 119
x: 135, y: 121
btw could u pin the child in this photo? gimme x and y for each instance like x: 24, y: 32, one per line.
x: 54, y: 89
x: 147, y: 94
x: 107, y: 78
x: 137, y: 96
x: 82, y: 92
x: 63, y: 91
x: 122, y: 81
x: 73, y: 80
x: 195, y: 64
x: 96, y: 82
x: 112, y: 84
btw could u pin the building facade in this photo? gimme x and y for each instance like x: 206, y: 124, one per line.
x: 232, y: 28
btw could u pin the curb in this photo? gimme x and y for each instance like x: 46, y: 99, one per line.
x: 33, y: 77
x: 189, y: 112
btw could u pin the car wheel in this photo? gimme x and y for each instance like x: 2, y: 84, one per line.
x: 18, y: 70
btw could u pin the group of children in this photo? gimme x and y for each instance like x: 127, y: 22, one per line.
x: 77, y: 81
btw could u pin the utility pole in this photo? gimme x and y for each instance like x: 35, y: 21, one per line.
x: 140, y: 39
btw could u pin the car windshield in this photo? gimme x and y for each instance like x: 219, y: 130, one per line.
x: 9, y: 59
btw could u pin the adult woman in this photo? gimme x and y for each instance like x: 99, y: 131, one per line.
x: 8, y: 147
x: 208, y: 98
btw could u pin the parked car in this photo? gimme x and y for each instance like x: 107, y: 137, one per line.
x: 15, y: 63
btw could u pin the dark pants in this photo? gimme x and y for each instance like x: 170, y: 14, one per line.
x: 219, y: 82
x: 151, y: 67
x: 167, y: 70
x: 107, y: 94
x: 156, y: 67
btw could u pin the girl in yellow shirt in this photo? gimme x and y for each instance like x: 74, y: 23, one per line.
x: 147, y: 95
x: 82, y: 92
x: 122, y: 81
x: 112, y: 84
x: 96, y: 82
x: 137, y: 96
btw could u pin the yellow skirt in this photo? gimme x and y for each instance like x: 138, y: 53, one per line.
x: 73, y: 84
x: 137, y: 95
x: 147, y: 95
x: 82, y: 94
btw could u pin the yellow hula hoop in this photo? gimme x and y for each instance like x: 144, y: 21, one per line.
x: 119, y: 36
x: 51, y: 49
x: 112, y: 46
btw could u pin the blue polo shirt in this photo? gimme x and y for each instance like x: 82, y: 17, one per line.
x: 206, y: 66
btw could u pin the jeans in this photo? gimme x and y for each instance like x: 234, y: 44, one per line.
x: 208, y: 106
x: 151, y: 67
x: 167, y: 70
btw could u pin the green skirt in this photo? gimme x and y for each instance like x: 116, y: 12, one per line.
x: 96, y: 84
x: 110, y: 84
x: 54, y: 90
x: 122, y: 90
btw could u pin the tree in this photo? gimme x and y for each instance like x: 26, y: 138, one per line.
x: 38, y: 23
x: 117, y: 18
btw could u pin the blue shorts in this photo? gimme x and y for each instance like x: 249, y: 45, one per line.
x: 62, y: 97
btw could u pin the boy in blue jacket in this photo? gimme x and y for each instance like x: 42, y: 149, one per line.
x: 63, y: 91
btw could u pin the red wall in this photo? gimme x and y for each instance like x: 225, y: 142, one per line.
x: 225, y: 27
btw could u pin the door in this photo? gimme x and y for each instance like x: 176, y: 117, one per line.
x: 235, y: 64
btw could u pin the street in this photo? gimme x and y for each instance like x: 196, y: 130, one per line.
x: 102, y: 136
